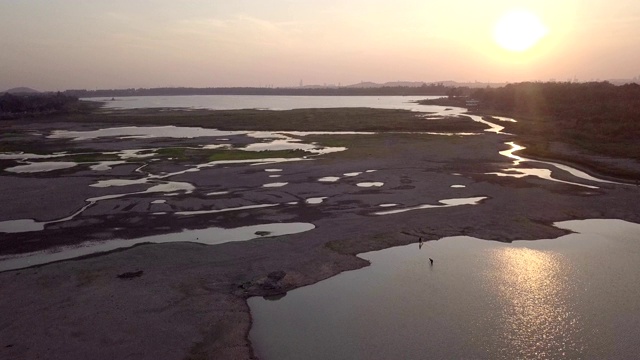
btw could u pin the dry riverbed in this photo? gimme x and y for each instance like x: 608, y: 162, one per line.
x: 184, y: 299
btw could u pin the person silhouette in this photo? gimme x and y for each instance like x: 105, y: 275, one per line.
x: 431, y: 261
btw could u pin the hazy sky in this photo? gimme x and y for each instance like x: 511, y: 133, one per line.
x: 67, y: 44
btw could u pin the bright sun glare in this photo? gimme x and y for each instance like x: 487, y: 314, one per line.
x: 519, y: 30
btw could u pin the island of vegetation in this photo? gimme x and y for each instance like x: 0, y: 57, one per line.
x: 15, y: 106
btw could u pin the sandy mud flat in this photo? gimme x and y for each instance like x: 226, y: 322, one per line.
x: 181, y: 291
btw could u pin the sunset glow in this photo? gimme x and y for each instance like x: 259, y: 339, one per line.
x: 519, y: 31
x: 122, y: 44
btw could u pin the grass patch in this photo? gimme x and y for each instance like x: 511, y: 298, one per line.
x: 179, y: 153
x: 219, y: 155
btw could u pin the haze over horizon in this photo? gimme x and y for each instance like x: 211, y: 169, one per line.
x: 76, y: 44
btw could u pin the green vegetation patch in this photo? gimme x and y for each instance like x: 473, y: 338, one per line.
x: 179, y: 153
x: 219, y: 155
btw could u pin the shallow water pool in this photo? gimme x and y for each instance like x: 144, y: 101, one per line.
x: 572, y: 297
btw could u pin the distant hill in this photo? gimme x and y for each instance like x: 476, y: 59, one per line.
x: 22, y: 90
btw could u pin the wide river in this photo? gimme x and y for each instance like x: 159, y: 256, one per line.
x: 233, y: 102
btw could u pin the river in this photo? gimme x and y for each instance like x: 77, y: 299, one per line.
x: 233, y: 102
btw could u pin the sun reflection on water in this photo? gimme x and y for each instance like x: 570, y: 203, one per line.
x: 534, y: 302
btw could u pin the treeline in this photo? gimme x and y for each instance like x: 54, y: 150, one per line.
x: 17, y: 105
x: 601, y: 108
x: 425, y: 90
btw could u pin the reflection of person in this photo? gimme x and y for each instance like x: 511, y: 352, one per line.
x: 420, y: 243
x: 431, y: 261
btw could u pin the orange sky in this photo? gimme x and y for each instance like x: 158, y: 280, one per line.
x: 58, y: 45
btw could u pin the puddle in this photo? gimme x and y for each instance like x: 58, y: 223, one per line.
x: 106, y: 165
x: 308, y: 133
x: 216, y: 146
x: 276, y: 184
x: 458, y: 186
x: 44, y: 166
x: 316, y: 200
x: 273, y: 170
x: 443, y: 204
x: 210, y: 236
x: 352, y: 174
x: 505, y: 119
x: 275, y: 176
x: 329, y: 179
x: 159, y: 202
x: 370, y: 184
x: 216, y: 193
x: 118, y: 182
x: 371, y: 171
x: 291, y: 144
x: 136, y: 153
x: 22, y: 225
x: 172, y: 186
x: 387, y: 205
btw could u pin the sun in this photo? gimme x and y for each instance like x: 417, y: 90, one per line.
x: 519, y: 30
